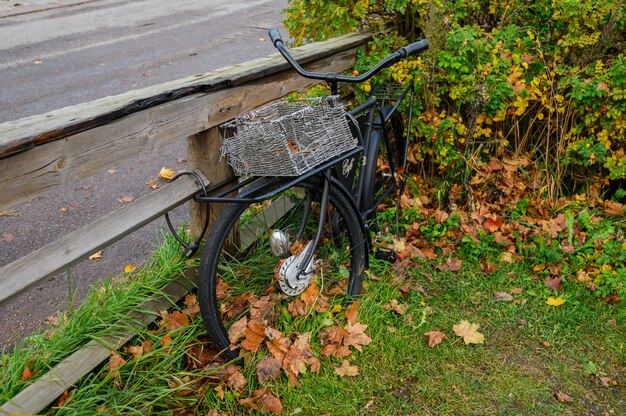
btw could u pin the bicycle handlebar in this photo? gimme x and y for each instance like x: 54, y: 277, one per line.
x: 397, y: 56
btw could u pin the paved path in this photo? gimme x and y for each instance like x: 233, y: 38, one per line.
x: 67, y: 54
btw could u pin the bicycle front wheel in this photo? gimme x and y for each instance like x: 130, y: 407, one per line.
x: 243, y: 267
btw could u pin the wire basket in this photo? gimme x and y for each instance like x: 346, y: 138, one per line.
x: 288, y: 139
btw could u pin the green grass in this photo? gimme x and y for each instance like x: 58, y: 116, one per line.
x: 531, y: 352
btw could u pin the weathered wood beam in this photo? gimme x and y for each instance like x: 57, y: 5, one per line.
x: 16, y: 136
x: 27, y: 174
x: 71, y: 248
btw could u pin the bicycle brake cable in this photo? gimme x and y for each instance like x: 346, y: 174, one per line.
x: 190, y: 248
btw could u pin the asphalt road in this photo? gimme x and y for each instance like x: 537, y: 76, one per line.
x: 53, y: 56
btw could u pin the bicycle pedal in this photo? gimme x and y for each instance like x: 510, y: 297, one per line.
x: 386, y: 255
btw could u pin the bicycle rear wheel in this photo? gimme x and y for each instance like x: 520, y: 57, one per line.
x: 239, y: 269
x: 384, y: 160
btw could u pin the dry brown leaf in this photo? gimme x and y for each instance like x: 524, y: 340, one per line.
x: 237, y: 331
x: 263, y: 401
x: 268, y: 368
x: 352, y: 313
x: 356, y: 336
x: 27, y: 374
x: 115, y: 362
x: 64, y: 398
x: 434, y: 338
x: 347, y: 370
x: 254, y: 336
x: 125, y: 199
x: 397, y: 307
x: 502, y: 297
x: 277, y: 343
x: 8, y: 237
x: 298, y: 358
x: 469, y: 332
x: 332, y: 338
x: 562, y: 397
x: 452, y: 265
x: 174, y: 320
x: 135, y: 350
x: 152, y: 183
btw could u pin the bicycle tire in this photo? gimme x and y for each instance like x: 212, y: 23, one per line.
x: 227, y: 276
x: 377, y: 170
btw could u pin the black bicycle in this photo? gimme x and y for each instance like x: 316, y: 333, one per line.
x: 294, y: 236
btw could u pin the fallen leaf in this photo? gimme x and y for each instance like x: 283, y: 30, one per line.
x: 135, y: 350
x: 356, y: 336
x: 397, y: 307
x: 268, y: 368
x: 125, y: 199
x: 64, y: 398
x: 434, y: 338
x: 347, y: 370
x: 174, y: 320
x: 27, y: 374
x: 555, y: 301
x: 166, y: 174
x: 562, y: 397
x: 516, y: 290
x: 452, y: 265
x: 8, y: 237
x: 254, y: 336
x: 96, y: 255
x: 352, y: 313
x: 554, y: 283
x: 166, y: 340
x: 115, y: 362
x: 129, y: 268
x: 502, y: 297
x: 152, y: 183
x: 469, y: 332
x: 263, y: 401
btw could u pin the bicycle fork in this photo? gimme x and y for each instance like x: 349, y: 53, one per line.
x: 296, y: 270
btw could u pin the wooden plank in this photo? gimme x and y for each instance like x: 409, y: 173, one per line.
x: 25, y: 175
x: 71, y: 248
x: 22, y: 134
x: 45, y: 390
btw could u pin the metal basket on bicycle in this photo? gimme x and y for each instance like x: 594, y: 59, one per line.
x: 287, y: 138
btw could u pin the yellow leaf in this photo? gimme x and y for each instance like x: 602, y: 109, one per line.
x: 555, y: 301
x: 166, y: 174
x: 129, y: 268
x: 469, y: 332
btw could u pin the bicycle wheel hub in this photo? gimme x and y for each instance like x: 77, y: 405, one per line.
x: 294, y: 276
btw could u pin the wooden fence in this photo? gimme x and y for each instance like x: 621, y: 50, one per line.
x: 54, y: 149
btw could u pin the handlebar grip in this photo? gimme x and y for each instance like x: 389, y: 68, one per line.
x: 413, y: 48
x: 274, y: 35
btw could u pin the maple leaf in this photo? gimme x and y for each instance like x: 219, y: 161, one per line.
x: 555, y: 301
x: 554, y: 283
x: 129, y: 268
x: 152, y: 183
x: 331, y: 338
x: 298, y: 357
x: 135, y: 350
x: 174, y: 320
x: 263, y: 401
x: 452, y: 265
x: 277, y: 343
x: 469, y: 332
x: 434, y: 338
x: 493, y: 223
x: 64, y: 398
x: 347, y: 370
x: 356, y: 336
x: 268, y: 368
x: 167, y: 339
x: 255, y: 335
